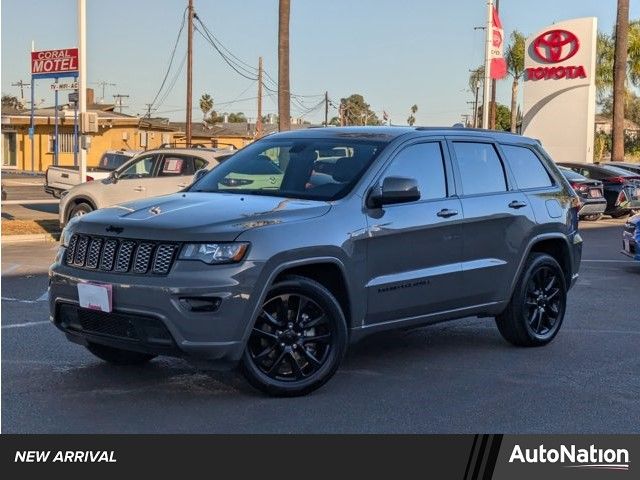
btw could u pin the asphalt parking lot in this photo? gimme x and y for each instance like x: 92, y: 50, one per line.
x: 449, y: 378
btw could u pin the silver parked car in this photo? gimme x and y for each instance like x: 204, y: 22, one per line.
x: 149, y: 174
x: 408, y: 227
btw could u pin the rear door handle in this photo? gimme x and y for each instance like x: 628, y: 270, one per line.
x: 183, y: 185
x: 446, y: 213
x: 140, y: 189
x: 517, y: 204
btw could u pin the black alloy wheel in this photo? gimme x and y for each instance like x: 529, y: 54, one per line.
x: 543, y: 301
x: 536, y: 310
x: 298, y: 339
x: 291, y: 339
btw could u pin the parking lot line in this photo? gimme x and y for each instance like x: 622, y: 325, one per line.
x: 611, y: 261
x: 27, y: 324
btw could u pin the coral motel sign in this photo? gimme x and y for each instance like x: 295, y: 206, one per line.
x: 54, y: 62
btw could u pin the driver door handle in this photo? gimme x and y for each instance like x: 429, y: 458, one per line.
x: 140, y: 188
x: 517, y: 204
x: 446, y: 213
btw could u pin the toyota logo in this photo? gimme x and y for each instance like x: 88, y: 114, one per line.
x: 556, y: 46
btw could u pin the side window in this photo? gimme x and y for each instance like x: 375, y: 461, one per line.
x: 141, y: 168
x: 480, y: 168
x: 199, y: 164
x: 425, y: 163
x: 526, y: 167
x: 174, y: 165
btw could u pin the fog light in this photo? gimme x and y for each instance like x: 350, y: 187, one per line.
x: 200, y: 304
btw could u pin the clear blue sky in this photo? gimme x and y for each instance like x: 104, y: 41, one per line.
x: 395, y: 52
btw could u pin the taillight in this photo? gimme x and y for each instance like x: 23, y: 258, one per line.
x: 579, y: 187
x: 616, y: 180
x: 89, y: 178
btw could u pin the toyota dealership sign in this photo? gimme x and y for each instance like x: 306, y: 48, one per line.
x: 559, y: 88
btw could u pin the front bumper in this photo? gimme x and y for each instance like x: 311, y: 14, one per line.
x: 630, y: 244
x: 156, y: 314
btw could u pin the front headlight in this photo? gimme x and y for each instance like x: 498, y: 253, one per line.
x: 214, y: 253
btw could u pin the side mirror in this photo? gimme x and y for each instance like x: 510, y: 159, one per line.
x: 394, y: 190
x: 199, y: 174
x: 115, y: 175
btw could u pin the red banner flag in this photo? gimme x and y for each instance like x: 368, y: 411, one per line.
x: 498, y: 67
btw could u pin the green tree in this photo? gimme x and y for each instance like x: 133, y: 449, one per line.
x: 515, y: 67
x: 476, y: 79
x: 206, y: 105
x: 356, y: 111
x: 412, y: 117
x: 503, y: 117
x: 10, y: 101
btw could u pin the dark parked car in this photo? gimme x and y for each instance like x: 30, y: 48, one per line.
x: 590, y: 193
x: 621, y: 187
x: 632, y: 167
x: 416, y: 226
x: 631, y: 238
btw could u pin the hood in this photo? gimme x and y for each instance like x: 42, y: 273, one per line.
x: 197, y: 216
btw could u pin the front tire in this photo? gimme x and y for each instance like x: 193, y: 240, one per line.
x: 593, y: 217
x: 298, y: 340
x: 536, y: 310
x: 117, y: 356
x: 79, y: 210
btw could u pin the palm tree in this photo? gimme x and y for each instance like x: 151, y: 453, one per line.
x: 412, y: 118
x: 206, y: 105
x: 515, y: 67
x: 284, y: 87
x: 476, y: 78
x: 619, y: 80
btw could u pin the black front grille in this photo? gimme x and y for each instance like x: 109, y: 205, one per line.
x: 121, y: 326
x: 122, y: 256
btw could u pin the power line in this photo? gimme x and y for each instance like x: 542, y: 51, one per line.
x: 173, y: 53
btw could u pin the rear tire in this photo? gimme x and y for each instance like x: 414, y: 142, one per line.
x: 79, y: 210
x: 594, y: 217
x: 620, y: 214
x: 536, y: 310
x: 117, y: 356
x: 298, y: 340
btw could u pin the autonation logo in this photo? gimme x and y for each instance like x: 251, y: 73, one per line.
x: 574, y: 457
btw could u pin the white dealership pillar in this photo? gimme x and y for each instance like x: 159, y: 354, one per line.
x: 560, y: 89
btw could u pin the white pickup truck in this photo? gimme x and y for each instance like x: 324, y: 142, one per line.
x: 59, y: 179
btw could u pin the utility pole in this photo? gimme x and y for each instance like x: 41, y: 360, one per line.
x: 487, y: 66
x: 82, y: 85
x: 326, y: 109
x: 259, y: 129
x: 492, y: 123
x: 284, y: 81
x: 465, y: 119
x: 22, y: 86
x: 103, y: 85
x: 118, y: 98
x: 148, y: 114
x: 189, y: 72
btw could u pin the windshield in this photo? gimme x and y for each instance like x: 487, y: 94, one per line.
x: 293, y: 168
x: 111, y: 161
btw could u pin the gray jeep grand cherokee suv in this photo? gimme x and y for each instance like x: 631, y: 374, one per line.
x: 305, y: 241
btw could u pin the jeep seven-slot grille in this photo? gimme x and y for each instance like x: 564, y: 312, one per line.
x: 121, y: 256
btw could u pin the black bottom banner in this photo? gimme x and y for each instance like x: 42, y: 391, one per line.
x: 465, y: 457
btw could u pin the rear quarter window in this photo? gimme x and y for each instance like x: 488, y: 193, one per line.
x: 526, y: 167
